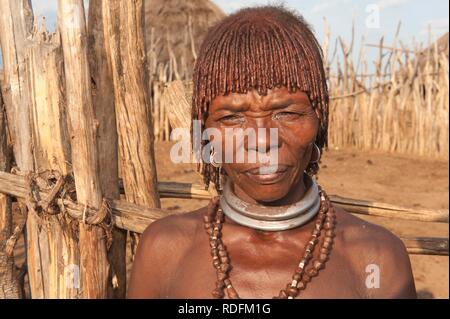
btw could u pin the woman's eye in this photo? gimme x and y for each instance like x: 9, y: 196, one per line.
x: 287, y: 116
x: 231, y: 119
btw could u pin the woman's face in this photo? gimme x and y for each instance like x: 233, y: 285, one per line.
x: 261, y: 174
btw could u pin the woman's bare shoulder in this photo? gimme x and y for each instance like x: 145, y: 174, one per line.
x: 357, y: 231
x: 161, y: 248
x: 179, y: 229
x: 369, y: 247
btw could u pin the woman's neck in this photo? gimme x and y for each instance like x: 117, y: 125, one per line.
x: 277, y: 216
x: 295, y: 194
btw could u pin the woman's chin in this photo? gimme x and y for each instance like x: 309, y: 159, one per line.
x: 266, y: 195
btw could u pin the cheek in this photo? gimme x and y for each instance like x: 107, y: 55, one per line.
x: 300, y: 135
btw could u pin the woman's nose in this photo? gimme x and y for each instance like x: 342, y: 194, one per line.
x: 266, y: 137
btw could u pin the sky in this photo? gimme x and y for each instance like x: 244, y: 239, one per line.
x: 373, y: 18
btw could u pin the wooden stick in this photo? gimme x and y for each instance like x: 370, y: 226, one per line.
x: 104, y: 107
x: 136, y: 217
x: 123, y: 25
x: 9, y: 286
x: 83, y: 130
x: 187, y: 190
x: 51, y: 144
x: 176, y: 98
x: 389, y: 48
x: 426, y: 245
x: 16, y: 186
x: 124, y: 35
x: 16, y: 22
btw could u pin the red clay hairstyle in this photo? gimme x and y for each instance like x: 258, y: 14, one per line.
x: 260, y: 48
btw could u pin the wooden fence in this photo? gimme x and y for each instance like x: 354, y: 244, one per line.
x: 75, y: 114
x: 399, y: 105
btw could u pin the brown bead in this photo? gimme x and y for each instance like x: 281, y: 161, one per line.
x: 327, y: 245
x: 219, y: 218
x: 312, y: 272
x: 330, y: 219
x: 218, y: 293
x: 225, y: 267
x: 324, y: 251
x: 216, y: 263
x: 328, y: 225
x: 232, y: 294
x: 296, y: 276
x: 299, y: 270
x: 209, y: 231
x: 329, y: 233
x: 282, y: 294
x: 317, y: 264
x: 328, y: 240
x: 223, y: 253
x: 292, y: 291
x: 306, y: 278
x: 227, y: 282
x: 207, y: 220
x: 221, y: 276
x: 301, y: 285
x: 323, y: 257
x: 220, y: 284
x: 225, y: 259
x: 307, y: 257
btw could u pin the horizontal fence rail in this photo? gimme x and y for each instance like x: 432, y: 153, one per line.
x: 136, y: 218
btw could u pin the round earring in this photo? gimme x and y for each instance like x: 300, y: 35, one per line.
x: 212, y: 158
x: 318, y: 154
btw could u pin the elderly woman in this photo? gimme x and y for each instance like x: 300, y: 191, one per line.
x: 272, y: 232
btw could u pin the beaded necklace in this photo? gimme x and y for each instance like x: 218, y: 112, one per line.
x: 307, y: 268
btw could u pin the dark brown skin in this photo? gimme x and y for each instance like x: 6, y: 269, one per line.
x: 173, y: 258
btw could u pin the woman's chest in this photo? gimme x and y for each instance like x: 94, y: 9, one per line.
x: 262, y: 274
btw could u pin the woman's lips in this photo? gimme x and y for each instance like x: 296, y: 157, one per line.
x: 267, y: 174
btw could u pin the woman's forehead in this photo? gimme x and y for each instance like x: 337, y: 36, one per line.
x: 274, y: 96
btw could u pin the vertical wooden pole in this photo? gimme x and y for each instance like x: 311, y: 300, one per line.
x: 51, y: 146
x: 9, y: 286
x: 123, y: 29
x: 16, y: 21
x: 83, y: 133
x: 123, y: 23
x: 103, y: 101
